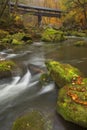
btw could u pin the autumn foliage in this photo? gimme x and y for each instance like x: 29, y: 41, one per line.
x: 76, y: 13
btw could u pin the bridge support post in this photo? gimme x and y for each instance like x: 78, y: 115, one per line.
x: 39, y: 20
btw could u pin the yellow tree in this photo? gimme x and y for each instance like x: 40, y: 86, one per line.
x: 77, y: 10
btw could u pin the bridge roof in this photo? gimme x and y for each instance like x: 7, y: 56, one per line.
x: 45, y: 8
x: 37, y: 8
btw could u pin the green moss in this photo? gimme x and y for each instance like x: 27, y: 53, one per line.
x: 6, y: 65
x: 45, y: 78
x: 79, y: 34
x: 52, y: 35
x: 18, y: 36
x: 62, y: 73
x: 80, y: 43
x: 17, y: 39
x: 6, y: 68
x: 72, y: 103
x: 7, y: 39
x: 31, y: 121
x: 16, y: 42
x: 72, y: 97
x: 85, y: 80
x: 29, y: 41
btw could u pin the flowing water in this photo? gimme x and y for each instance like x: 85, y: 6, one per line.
x: 23, y: 92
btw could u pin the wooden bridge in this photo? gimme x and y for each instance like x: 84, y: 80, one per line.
x: 38, y: 11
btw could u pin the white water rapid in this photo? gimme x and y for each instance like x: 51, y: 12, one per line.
x: 14, y: 88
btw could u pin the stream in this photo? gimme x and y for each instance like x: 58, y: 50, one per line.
x: 23, y: 92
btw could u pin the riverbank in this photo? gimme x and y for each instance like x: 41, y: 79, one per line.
x: 8, y: 40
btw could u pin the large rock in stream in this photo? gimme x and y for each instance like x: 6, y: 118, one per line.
x: 72, y: 102
x: 30, y: 121
x: 17, y: 39
x: 72, y: 96
x: 6, y: 68
x: 52, y: 35
x: 62, y: 73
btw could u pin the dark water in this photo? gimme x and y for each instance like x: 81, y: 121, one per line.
x: 23, y: 93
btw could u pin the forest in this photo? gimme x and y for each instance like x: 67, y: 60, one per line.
x: 75, y: 16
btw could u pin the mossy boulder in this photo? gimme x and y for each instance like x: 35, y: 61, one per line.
x: 19, y: 36
x: 62, y: 73
x: 52, y: 35
x: 6, y: 68
x: 72, y: 102
x: 80, y: 43
x: 17, y: 39
x: 31, y: 121
x: 16, y: 42
x: 72, y: 96
x: 29, y: 41
x: 78, y: 33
